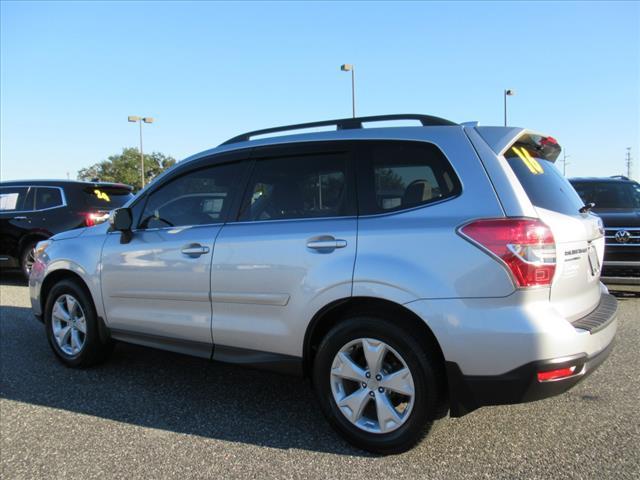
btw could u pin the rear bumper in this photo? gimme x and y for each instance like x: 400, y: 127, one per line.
x: 521, y: 384
x: 517, y: 386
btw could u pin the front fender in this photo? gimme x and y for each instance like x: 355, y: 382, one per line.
x: 79, y: 257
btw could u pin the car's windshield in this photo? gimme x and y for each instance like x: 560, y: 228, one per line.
x: 609, y: 194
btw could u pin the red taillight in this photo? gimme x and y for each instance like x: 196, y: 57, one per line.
x: 556, y: 374
x: 94, y: 218
x: 525, y: 245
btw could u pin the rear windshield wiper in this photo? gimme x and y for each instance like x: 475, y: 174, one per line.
x: 587, y: 207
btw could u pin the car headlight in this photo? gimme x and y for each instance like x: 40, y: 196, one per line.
x: 42, y: 246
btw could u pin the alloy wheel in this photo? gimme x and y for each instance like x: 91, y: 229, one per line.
x: 68, y: 324
x: 29, y: 260
x: 372, y: 385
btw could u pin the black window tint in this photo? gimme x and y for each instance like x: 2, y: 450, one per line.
x: 13, y: 199
x: 48, y: 198
x: 543, y: 183
x: 309, y: 186
x: 104, y: 197
x: 200, y: 197
x: 610, y: 194
x: 404, y: 175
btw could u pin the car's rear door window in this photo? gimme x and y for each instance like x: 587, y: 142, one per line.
x: 48, y: 197
x: 397, y: 175
x: 306, y: 186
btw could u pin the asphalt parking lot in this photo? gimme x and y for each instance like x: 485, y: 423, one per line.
x: 151, y: 414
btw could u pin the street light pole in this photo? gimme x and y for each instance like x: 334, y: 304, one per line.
x: 507, y: 93
x: 141, y: 156
x: 140, y: 120
x: 564, y: 163
x: 347, y: 67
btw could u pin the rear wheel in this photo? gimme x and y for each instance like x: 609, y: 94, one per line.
x: 377, y: 385
x: 72, y: 326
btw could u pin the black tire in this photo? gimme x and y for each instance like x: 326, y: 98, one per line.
x: 425, y: 369
x: 26, y: 258
x: 94, y: 350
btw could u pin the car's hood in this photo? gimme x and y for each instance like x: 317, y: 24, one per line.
x: 619, y: 218
x: 76, y: 232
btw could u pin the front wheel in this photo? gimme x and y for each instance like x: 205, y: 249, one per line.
x: 27, y: 257
x: 377, y: 385
x: 72, y: 326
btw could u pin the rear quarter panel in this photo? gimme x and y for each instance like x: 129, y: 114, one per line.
x: 417, y: 253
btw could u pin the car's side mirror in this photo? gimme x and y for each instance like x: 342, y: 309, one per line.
x: 121, y: 220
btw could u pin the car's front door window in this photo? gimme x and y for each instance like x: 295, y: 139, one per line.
x: 201, y: 197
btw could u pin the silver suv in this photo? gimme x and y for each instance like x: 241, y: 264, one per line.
x: 407, y: 270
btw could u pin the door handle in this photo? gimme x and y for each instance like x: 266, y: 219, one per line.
x: 326, y: 243
x: 20, y: 217
x: 194, y: 250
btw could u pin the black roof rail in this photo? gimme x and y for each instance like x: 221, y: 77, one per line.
x: 345, y: 124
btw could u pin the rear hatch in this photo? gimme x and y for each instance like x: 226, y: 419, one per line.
x: 579, y: 237
x: 94, y: 201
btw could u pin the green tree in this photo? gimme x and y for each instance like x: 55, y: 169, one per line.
x: 125, y: 168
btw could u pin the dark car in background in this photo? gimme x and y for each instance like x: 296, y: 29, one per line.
x: 34, y: 210
x: 617, y: 201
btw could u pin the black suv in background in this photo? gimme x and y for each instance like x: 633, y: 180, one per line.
x: 34, y: 210
x: 617, y: 202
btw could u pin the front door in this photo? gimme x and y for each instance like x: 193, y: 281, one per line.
x: 291, y: 251
x: 156, y: 286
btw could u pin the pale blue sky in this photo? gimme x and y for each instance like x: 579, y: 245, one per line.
x: 72, y: 72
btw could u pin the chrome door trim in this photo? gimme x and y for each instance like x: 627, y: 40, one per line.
x: 275, y: 299
x: 162, y: 295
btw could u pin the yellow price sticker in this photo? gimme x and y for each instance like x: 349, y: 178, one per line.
x: 532, y: 164
x: 101, y: 195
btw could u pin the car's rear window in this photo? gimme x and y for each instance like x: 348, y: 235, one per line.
x: 12, y: 198
x: 104, y: 198
x: 541, y: 180
x: 609, y: 194
x: 402, y: 175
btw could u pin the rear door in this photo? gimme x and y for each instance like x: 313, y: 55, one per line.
x: 579, y: 237
x: 291, y: 252
x: 50, y: 215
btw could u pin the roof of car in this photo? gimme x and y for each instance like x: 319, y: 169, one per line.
x: 351, y: 123
x: 614, y: 179
x: 58, y: 183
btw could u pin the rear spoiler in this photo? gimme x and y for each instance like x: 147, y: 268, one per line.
x: 500, y: 139
x: 113, y: 188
